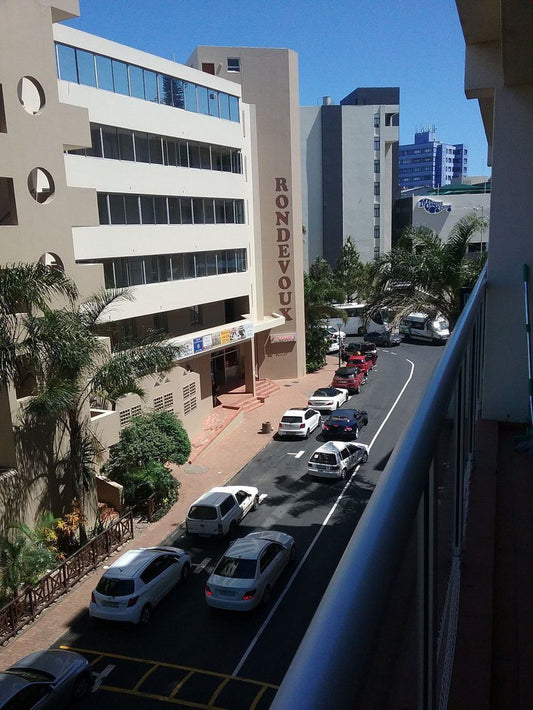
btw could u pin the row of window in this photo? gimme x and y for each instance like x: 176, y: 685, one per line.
x: 139, y: 270
x: 83, y: 67
x: 116, y: 208
x: 140, y: 147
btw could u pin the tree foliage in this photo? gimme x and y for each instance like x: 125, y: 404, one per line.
x: 156, y: 436
x: 423, y: 273
x: 348, y: 271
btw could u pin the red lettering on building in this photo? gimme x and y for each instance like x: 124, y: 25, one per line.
x: 283, y: 235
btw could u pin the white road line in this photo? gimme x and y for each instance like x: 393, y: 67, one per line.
x: 262, y: 497
x: 300, y: 453
x: 319, y: 532
x: 198, y: 568
x: 296, y: 455
x: 99, y: 677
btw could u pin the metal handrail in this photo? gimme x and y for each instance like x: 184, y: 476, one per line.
x: 332, y: 657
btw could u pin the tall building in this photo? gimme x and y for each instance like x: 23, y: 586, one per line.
x: 430, y: 163
x: 349, y: 182
x: 129, y: 170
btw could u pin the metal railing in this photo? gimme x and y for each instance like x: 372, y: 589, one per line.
x: 26, y: 606
x: 428, y: 473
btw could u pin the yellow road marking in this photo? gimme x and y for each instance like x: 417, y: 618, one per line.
x: 94, y: 661
x: 218, y: 691
x: 258, y: 697
x: 164, y: 698
x: 145, y: 676
x: 182, y: 682
x: 163, y: 664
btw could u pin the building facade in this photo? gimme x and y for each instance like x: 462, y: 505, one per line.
x: 349, y: 181
x: 430, y: 163
x: 128, y: 170
x: 441, y: 210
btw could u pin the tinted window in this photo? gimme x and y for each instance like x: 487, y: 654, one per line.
x: 226, y: 505
x: 321, y: 457
x: 203, y: 512
x: 345, y: 372
x: 236, y: 568
x: 115, y: 587
x: 291, y: 419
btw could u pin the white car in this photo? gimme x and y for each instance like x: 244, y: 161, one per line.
x: 220, y: 510
x: 335, y: 458
x: 327, y: 398
x: 245, y: 575
x: 131, y: 587
x: 334, y: 332
x: 333, y: 346
x: 298, y: 422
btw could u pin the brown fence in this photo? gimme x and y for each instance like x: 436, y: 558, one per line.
x: 24, y: 608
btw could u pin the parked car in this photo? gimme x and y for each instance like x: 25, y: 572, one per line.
x: 349, y: 378
x: 424, y: 327
x: 220, y: 510
x: 333, y: 346
x: 298, y: 422
x: 364, y: 362
x: 335, y: 332
x: 131, y: 587
x: 327, y: 398
x: 245, y: 575
x: 361, y: 348
x: 335, y: 458
x: 344, y: 422
x: 45, y: 679
x: 386, y: 339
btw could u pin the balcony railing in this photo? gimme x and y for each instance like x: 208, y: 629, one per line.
x: 402, y: 567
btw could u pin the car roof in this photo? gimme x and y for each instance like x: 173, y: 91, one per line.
x: 331, y: 447
x: 344, y: 413
x: 295, y: 410
x: 322, y: 391
x: 214, y: 496
x: 251, y: 546
x: 133, y: 561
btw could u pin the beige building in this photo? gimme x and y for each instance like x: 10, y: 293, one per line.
x: 128, y: 170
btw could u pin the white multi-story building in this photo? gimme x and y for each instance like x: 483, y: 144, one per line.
x: 129, y: 170
x: 349, y: 173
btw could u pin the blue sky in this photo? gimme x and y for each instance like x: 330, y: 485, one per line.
x: 341, y: 44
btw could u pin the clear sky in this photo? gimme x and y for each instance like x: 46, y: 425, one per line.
x: 341, y: 44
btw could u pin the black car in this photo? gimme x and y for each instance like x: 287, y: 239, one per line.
x: 344, y: 422
x: 384, y: 340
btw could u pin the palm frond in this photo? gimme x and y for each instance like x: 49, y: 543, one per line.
x: 96, y: 306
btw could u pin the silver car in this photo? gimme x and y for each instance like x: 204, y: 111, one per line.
x: 245, y: 575
x: 45, y: 679
x: 335, y: 458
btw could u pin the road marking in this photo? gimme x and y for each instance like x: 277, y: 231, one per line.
x: 262, y: 497
x: 318, y: 534
x: 99, y: 677
x: 296, y: 456
x: 202, y: 565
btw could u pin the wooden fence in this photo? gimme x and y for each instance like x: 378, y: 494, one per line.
x: 26, y: 606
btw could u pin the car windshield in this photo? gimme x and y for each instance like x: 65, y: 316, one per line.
x: 291, y: 419
x: 441, y: 325
x: 203, y: 512
x: 236, y: 568
x: 112, y: 587
x: 321, y: 457
x: 342, y: 419
x: 331, y: 392
x: 30, y: 674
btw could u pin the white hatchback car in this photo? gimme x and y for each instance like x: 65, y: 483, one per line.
x: 298, y: 422
x: 245, y: 575
x: 328, y: 398
x: 131, y: 587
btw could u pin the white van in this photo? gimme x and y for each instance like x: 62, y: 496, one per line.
x: 422, y: 326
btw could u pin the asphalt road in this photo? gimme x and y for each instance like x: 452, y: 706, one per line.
x: 192, y: 656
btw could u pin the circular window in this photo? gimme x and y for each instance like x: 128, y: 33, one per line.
x: 41, y: 185
x: 52, y: 261
x: 31, y: 95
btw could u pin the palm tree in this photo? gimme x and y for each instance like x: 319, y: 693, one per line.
x: 69, y: 363
x: 73, y: 367
x: 423, y: 273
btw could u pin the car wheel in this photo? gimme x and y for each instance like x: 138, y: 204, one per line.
x: 357, y: 389
x: 266, y: 595
x: 82, y: 686
x: 146, y: 612
x: 343, y: 474
x: 306, y: 434
x: 365, y: 457
x: 255, y: 506
x: 356, y: 432
x: 185, y: 571
x: 292, y: 555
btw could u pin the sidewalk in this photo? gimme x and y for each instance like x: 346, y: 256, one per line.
x: 212, y: 466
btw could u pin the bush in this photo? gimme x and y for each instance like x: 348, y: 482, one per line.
x: 153, y: 479
x: 155, y: 437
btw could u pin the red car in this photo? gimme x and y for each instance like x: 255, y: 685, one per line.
x: 349, y: 378
x: 363, y: 362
